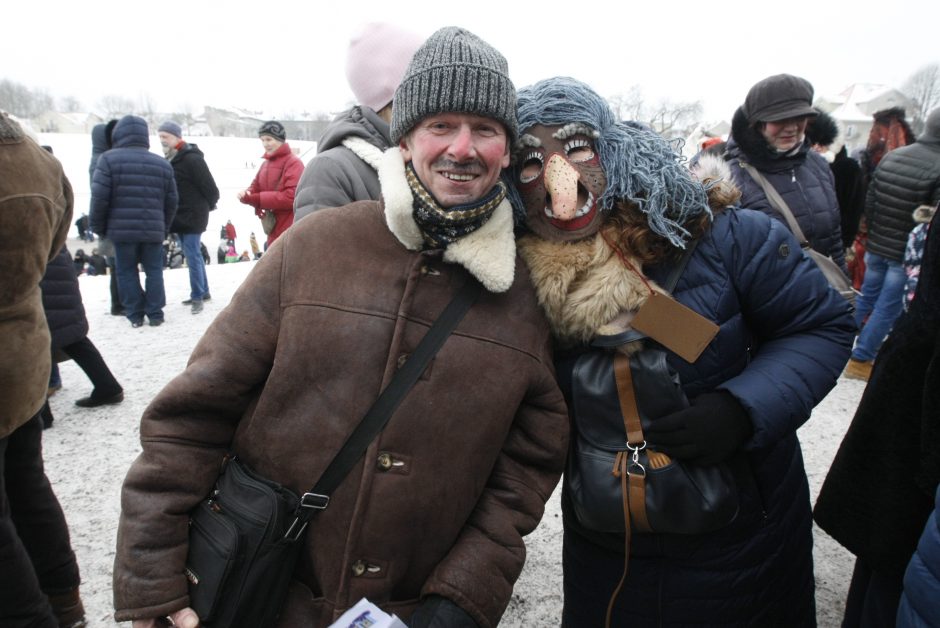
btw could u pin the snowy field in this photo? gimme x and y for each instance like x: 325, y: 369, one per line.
x: 88, y: 451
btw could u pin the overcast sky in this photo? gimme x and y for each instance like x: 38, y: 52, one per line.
x: 289, y: 56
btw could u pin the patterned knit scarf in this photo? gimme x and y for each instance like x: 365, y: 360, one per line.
x: 441, y: 226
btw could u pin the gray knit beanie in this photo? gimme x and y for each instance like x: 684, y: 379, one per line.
x: 454, y: 71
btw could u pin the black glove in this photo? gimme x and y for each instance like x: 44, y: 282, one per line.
x: 707, y: 432
x: 439, y: 612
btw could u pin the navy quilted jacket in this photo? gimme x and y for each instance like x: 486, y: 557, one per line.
x: 918, y: 607
x: 133, y: 191
x: 804, y: 180
x: 62, y: 301
x: 783, y: 340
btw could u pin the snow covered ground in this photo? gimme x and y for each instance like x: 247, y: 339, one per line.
x: 88, y: 451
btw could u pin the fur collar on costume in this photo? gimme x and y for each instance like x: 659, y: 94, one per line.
x: 585, y: 288
x: 489, y: 253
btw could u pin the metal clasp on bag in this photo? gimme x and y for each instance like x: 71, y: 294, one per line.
x: 635, y: 457
x: 309, y: 500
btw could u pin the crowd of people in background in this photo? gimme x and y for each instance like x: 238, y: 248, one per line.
x: 547, y: 201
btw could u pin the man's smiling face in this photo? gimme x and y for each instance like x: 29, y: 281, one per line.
x: 457, y: 156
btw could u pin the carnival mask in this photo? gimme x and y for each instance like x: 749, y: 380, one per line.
x: 560, y: 181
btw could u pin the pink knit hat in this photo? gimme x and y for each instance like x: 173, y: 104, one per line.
x: 377, y: 58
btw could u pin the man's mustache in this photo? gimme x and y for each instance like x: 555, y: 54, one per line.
x: 471, y: 166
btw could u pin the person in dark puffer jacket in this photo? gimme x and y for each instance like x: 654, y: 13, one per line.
x: 133, y: 202
x: 904, y: 179
x: 768, y: 132
x: 65, y: 315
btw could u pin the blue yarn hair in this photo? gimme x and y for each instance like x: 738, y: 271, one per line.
x: 640, y: 166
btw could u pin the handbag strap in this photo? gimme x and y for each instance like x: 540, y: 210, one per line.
x: 318, y: 498
x: 773, y: 196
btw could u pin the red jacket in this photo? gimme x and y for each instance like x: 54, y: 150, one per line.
x: 274, y: 186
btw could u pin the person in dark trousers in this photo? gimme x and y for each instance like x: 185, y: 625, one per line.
x: 133, y: 203
x: 39, y: 576
x: 905, y: 178
x: 65, y: 315
x: 880, y: 488
x: 100, y: 142
x: 198, y: 195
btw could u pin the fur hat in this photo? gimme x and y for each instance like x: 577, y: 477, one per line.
x: 273, y: 128
x: 779, y: 97
x: 172, y: 128
x: 454, y: 71
x: 822, y: 129
x: 640, y: 166
x: 376, y: 61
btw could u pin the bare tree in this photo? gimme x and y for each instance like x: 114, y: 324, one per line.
x: 22, y: 101
x: 113, y: 106
x: 70, y: 104
x: 671, y: 119
x: 628, y: 106
x: 923, y: 87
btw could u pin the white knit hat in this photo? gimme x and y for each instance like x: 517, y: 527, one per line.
x: 377, y: 58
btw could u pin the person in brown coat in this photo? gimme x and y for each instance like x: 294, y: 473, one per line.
x: 38, y: 573
x: 429, y: 525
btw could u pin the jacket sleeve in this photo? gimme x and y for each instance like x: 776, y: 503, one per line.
x: 62, y: 230
x: 184, y: 433
x: 479, y: 572
x: 324, y: 183
x: 100, y: 197
x: 170, y: 199
x: 802, y: 329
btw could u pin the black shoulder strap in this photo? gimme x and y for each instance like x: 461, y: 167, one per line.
x: 381, y: 411
x: 679, y: 268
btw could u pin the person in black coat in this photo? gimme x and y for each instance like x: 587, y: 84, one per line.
x: 850, y: 187
x: 879, y: 490
x: 198, y: 195
x: 65, y: 315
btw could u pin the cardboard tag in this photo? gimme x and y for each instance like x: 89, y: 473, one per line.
x: 681, y: 330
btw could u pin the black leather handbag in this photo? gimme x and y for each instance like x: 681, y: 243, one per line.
x: 244, y: 538
x: 614, y: 480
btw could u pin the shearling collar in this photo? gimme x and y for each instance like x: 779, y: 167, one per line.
x: 489, y: 253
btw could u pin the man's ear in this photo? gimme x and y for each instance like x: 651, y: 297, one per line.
x: 403, y: 147
x: 506, y: 156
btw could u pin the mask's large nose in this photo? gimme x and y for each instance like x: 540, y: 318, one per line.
x: 561, y: 181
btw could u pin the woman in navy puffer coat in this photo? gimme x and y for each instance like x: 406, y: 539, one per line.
x: 782, y: 338
x: 799, y: 175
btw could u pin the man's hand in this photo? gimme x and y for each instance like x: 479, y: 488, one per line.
x: 183, y: 618
x: 241, y: 194
x: 707, y: 432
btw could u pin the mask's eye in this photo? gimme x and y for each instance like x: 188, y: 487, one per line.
x: 579, y: 149
x: 531, y: 167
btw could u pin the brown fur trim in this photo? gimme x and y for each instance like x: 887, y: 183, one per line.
x: 714, y: 171
x: 582, y: 286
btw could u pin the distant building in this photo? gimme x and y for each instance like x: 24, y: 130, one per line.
x: 55, y: 122
x: 242, y: 123
x: 852, y: 109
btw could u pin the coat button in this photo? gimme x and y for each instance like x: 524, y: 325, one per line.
x: 402, y: 359
x: 385, y: 462
x: 359, y: 568
x: 784, y: 251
